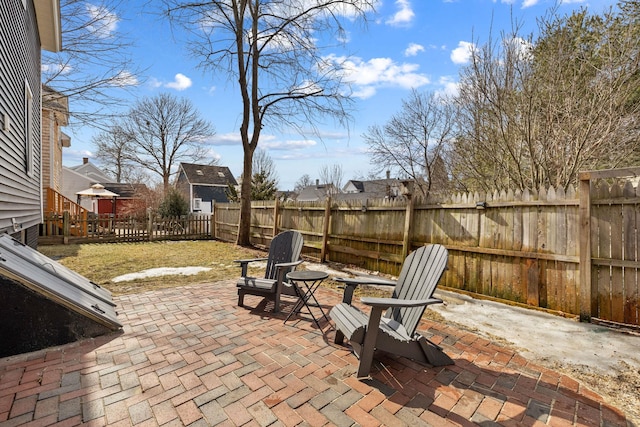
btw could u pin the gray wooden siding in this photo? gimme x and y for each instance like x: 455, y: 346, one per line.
x: 20, y: 194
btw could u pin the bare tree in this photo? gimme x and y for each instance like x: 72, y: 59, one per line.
x: 274, y: 50
x: 114, y: 152
x: 414, y: 141
x: 332, y: 176
x: 263, y: 164
x: 535, y: 114
x: 163, y: 131
x: 94, y: 63
x: 302, y: 182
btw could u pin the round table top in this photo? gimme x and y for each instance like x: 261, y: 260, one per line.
x: 309, y: 275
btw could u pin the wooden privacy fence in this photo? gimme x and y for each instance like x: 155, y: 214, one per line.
x: 67, y: 228
x: 549, y: 249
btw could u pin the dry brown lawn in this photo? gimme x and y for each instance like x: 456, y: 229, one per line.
x: 105, y: 261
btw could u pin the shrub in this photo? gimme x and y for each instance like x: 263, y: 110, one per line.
x: 173, y: 204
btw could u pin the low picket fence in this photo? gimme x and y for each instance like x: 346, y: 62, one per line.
x: 67, y: 228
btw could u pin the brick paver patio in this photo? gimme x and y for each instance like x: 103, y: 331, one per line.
x: 190, y: 356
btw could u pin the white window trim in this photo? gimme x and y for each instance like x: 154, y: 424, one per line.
x: 28, y: 128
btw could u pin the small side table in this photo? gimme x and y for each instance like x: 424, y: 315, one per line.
x: 305, y: 283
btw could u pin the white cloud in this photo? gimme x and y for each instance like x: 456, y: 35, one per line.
x: 154, y: 83
x: 181, y: 82
x: 368, y: 76
x: 462, y: 54
x: 404, y: 15
x: 56, y: 68
x: 288, y: 145
x: 521, y: 46
x: 125, y: 78
x: 413, y: 49
x: 529, y: 3
x: 213, y: 155
x: 230, y: 138
x: 102, y: 22
x: 449, y: 87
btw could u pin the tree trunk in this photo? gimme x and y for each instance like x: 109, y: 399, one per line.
x: 244, y: 227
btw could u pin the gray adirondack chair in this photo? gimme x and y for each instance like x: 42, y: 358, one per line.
x: 395, y: 332
x: 284, y: 256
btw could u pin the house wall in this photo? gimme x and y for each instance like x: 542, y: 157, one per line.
x: 51, y: 151
x: 20, y: 193
x: 184, y: 188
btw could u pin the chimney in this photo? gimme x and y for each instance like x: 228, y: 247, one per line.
x: 85, y: 160
x: 388, y: 174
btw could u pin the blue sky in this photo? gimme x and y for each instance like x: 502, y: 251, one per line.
x: 407, y: 44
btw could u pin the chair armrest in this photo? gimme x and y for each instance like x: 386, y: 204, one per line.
x: 394, y: 302
x: 366, y: 280
x: 351, y: 283
x: 245, y: 262
x: 289, y: 264
x: 283, y: 269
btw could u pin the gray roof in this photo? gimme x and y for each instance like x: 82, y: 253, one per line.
x: 91, y: 171
x: 208, y: 175
x: 314, y: 193
x: 125, y: 190
x: 373, y: 189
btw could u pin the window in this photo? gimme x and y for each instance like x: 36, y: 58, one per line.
x: 199, y: 172
x: 28, y: 128
x: 197, y: 204
x: 221, y: 174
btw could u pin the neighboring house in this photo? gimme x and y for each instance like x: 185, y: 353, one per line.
x: 131, y: 198
x: 26, y: 27
x: 317, y: 193
x: 388, y: 189
x: 204, y: 185
x: 55, y: 114
x: 79, y: 178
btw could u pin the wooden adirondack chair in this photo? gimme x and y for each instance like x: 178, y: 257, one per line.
x: 284, y: 256
x: 395, y: 332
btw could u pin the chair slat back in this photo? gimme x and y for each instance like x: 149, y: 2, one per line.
x: 421, y: 272
x: 285, y: 247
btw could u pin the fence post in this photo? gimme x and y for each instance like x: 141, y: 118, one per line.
x: 325, y: 230
x: 150, y: 226
x: 584, y: 215
x: 66, y: 227
x: 408, y: 219
x: 276, y: 212
x: 212, y: 225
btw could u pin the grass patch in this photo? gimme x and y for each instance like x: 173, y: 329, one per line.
x: 105, y: 261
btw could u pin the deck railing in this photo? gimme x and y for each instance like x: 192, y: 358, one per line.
x: 56, y: 204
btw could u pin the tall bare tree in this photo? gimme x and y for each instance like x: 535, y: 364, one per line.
x: 415, y: 140
x: 535, y: 113
x: 332, y: 175
x: 274, y: 51
x: 95, y: 63
x: 163, y: 131
x: 114, y: 152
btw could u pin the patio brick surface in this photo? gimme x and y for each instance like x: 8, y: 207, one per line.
x: 190, y: 356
